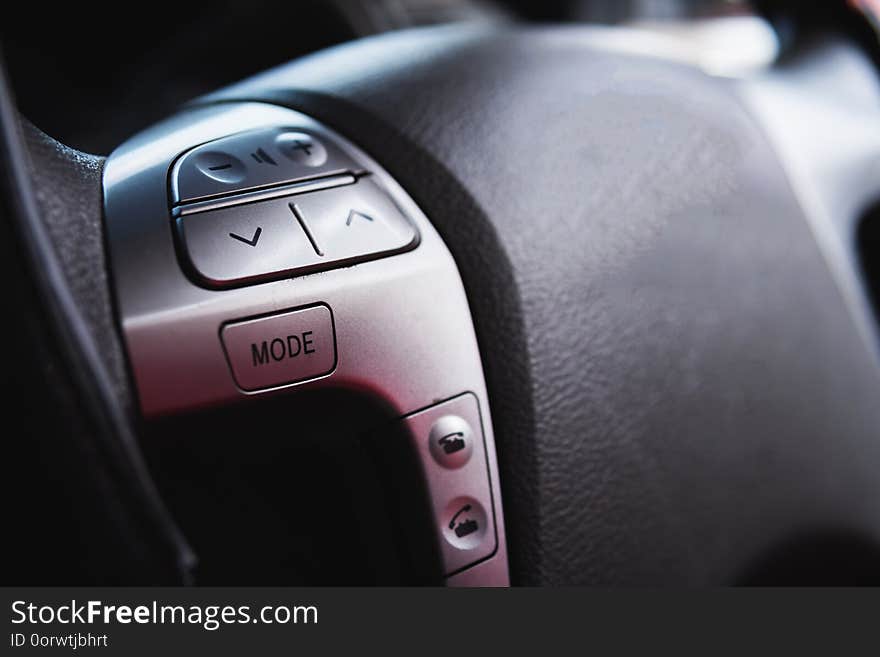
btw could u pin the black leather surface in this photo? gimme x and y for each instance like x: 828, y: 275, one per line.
x: 82, y: 509
x: 677, y: 387
x: 67, y: 185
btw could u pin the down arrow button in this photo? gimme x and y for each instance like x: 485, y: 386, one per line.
x: 250, y: 242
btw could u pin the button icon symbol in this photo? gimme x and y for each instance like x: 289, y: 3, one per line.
x: 465, y: 523
x: 451, y: 441
x: 220, y: 166
x: 262, y: 157
x: 302, y: 148
x: 354, y: 214
x: 464, y: 527
x: 302, y: 145
x: 250, y: 242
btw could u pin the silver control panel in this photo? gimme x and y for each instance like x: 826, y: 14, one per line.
x: 274, y: 203
x: 285, y: 257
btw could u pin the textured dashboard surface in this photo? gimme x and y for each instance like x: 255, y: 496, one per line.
x: 678, y: 389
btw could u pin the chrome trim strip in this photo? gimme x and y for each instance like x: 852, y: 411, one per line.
x: 300, y: 187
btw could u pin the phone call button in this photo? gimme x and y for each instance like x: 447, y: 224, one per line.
x: 451, y: 441
x: 465, y: 523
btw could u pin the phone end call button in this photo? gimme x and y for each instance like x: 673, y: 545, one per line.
x: 281, y: 349
x: 451, y: 441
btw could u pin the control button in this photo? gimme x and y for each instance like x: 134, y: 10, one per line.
x: 244, y: 243
x: 281, y: 349
x: 457, y: 480
x: 354, y: 221
x: 451, y: 441
x: 219, y: 166
x: 464, y: 523
x: 302, y: 148
x: 239, y: 244
x: 253, y: 160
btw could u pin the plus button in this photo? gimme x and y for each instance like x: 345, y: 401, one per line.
x: 301, y: 145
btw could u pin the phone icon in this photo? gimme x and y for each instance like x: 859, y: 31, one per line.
x: 467, y: 526
x: 452, y: 442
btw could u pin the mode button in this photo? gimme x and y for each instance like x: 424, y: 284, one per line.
x: 281, y: 349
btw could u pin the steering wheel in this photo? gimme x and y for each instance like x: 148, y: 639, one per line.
x: 578, y: 313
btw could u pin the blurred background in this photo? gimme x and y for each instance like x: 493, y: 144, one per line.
x: 119, y: 72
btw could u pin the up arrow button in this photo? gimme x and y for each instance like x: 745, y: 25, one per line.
x: 354, y: 214
x: 354, y: 222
